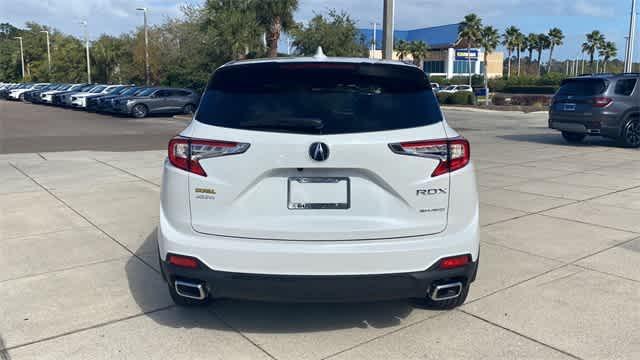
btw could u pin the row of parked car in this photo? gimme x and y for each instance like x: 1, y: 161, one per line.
x: 136, y: 101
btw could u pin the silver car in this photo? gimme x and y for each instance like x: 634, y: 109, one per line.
x: 158, y: 101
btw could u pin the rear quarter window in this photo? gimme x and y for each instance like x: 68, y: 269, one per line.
x: 625, y: 86
x: 319, y: 98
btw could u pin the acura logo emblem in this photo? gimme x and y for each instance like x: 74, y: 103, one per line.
x: 319, y: 151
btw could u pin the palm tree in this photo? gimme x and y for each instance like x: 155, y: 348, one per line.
x: 275, y: 16
x: 532, y: 44
x: 595, y: 39
x: 470, y: 31
x: 543, y: 43
x: 418, y: 50
x: 608, y: 51
x: 402, y: 47
x: 555, y: 37
x: 521, y: 44
x: 489, y: 41
x: 510, y: 42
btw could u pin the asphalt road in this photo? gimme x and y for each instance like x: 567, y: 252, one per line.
x: 38, y: 128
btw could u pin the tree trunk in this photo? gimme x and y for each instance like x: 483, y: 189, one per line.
x: 486, y: 78
x: 539, y: 59
x: 273, y: 36
x: 508, y: 65
x: 518, y: 54
x: 550, y: 59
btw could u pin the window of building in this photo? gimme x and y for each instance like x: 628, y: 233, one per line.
x: 462, y: 67
x: 434, y: 67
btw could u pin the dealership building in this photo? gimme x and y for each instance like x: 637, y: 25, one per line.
x: 447, y: 56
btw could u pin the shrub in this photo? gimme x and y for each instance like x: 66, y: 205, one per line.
x: 531, y: 89
x: 462, y: 98
x: 499, y: 100
x: 443, y: 97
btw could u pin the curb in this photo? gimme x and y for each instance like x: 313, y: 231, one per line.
x: 461, y: 108
x: 182, y: 117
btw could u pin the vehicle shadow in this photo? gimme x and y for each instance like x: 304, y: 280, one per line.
x: 556, y: 139
x: 253, y: 316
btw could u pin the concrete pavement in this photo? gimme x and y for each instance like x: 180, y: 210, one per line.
x: 558, y: 277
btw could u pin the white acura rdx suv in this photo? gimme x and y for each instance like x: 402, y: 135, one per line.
x: 319, y: 179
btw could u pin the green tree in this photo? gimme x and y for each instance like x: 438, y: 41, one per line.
x: 232, y: 29
x: 520, y: 43
x: 470, y: 32
x: 595, y: 40
x: 555, y: 39
x: 489, y: 40
x: 608, y: 51
x: 532, y: 44
x: 543, y: 43
x: 509, y: 40
x: 336, y: 33
x: 419, y: 51
x: 403, y: 49
x: 275, y: 16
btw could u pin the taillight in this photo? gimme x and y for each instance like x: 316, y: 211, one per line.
x: 601, y: 102
x: 186, y: 153
x: 183, y: 261
x: 453, y: 154
x: 454, y: 262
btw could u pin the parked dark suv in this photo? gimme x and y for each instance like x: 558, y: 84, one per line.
x: 158, y: 100
x: 604, y: 105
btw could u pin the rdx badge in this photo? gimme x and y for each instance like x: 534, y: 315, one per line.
x: 426, y: 192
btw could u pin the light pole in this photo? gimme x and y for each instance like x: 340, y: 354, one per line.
x: 628, y: 59
x: 374, y: 44
x: 86, y: 39
x: 387, y: 30
x: 146, y: 45
x: 19, y: 38
x: 48, y: 50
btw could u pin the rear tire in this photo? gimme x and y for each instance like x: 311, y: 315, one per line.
x: 183, y: 301
x: 140, y: 111
x: 631, y: 133
x: 427, y: 303
x: 189, y: 109
x: 573, y: 137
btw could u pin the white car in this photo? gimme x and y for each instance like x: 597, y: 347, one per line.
x: 79, y: 100
x: 18, y: 94
x: 456, y: 88
x: 319, y: 179
x: 47, y: 96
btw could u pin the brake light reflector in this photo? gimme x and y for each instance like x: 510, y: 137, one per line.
x: 601, y: 102
x: 183, y: 261
x: 454, y: 262
x: 186, y: 153
x: 453, y: 154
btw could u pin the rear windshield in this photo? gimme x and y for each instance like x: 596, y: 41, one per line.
x: 319, y: 98
x: 582, y: 87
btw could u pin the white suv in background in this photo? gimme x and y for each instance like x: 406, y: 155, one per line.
x: 319, y: 179
x: 456, y: 88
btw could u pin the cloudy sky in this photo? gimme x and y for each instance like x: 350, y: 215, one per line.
x: 574, y: 17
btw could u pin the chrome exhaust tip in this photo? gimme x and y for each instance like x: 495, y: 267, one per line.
x: 446, y: 291
x: 190, y: 290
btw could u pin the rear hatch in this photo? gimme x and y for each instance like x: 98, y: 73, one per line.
x: 312, y: 157
x: 576, y: 96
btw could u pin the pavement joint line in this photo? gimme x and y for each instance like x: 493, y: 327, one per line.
x: 68, y: 268
x: 521, y: 334
x: 13, y: 237
x: 96, y: 326
x: 125, y: 171
x: 606, y: 273
x: 575, y: 202
x: 85, y: 218
x: 524, y: 251
x: 418, y: 322
x: 227, y: 324
x: 43, y: 158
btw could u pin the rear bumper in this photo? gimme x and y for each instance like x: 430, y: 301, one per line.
x: 606, y: 124
x: 338, y: 288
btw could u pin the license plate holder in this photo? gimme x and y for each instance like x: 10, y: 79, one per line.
x: 569, y: 107
x: 325, y: 193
